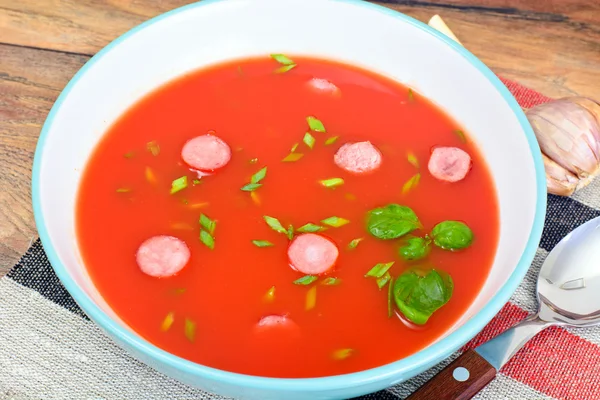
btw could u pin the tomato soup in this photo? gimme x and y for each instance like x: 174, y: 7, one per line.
x: 287, y: 217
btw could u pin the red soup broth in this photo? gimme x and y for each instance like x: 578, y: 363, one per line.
x: 216, y: 301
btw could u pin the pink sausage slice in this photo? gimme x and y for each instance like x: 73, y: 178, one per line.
x: 277, y: 326
x: 162, y: 256
x: 312, y: 254
x: 449, y: 164
x: 358, y: 158
x: 324, y: 86
x: 206, y: 153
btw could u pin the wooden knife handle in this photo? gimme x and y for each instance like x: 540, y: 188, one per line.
x: 460, y: 380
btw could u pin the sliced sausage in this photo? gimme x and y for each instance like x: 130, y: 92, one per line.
x: 449, y: 164
x: 162, y: 256
x: 206, y: 153
x: 312, y: 254
x: 358, y: 158
x: 277, y: 326
x: 324, y: 86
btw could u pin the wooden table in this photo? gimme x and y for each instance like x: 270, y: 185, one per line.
x: 552, y: 46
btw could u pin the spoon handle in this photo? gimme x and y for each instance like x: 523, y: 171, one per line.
x: 460, y: 380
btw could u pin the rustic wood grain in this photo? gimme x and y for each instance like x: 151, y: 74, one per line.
x: 30, y: 81
x: 552, y: 46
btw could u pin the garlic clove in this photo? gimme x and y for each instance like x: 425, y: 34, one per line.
x: 568, y: 134
x: 558, y: 180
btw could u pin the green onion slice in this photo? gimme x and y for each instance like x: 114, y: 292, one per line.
x: 208, y: 224
x: 285, y: 68
x: 412, y: 159
x: 315, y: 124
x: 259, y: 176
x: 461, y: 135
x: 331, y: 281
x: 379, y: 270
x: 411, y: 183
x: 153, y: 147
x: 167, y: 322
x: 311, y: 228
x: 270, y: 295
x: 282, y: 59
x: 207, y: 239
x: 179, y: 184
x: 381, y: 282
x: 251, y: 187
x: 311, y: 298
x: 305, y: 280
x: 190, y: 330
x: 262, y: 243
x: 332, y: 182
x: 342, y: 354
x: 309, y: 140
x: 335, y: 222
x: 331, y: 140
x: 354, y: 243
x: 274, y: 224
x: 293, y: 157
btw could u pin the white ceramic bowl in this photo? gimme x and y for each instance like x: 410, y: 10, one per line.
x: 354, y: 32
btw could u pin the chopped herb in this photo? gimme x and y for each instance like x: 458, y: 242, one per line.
x: 255, y: 198
x: 199, y: 205
x: 270, y: 295
x: 129, y: 155
x: 315, y: 124
x: 294, y: 147
x: 305, y: 280
x: 331, y: 281
x: 259, y: 176
x: 123, y: 190
x: 253, y: 161
x: 190, y: 330
x: 354, y: 243
x: 179, y: 291
x: 392, y: 221
x: 342, y: 354
x: 250, y: 187
x: 167, y: 322
x: 311, y: 228
x: 336, y: 222
x: 292, y: 157
x: 412, y: 159
x: 290, y: 232
x: 262, y: 243
x: 332, y: 182
x: 153, y: 148
x: 311, y: 298
x: 196, y: 182
x: 452, y: 235
x: 379, y: 270
x: 309, y: 140
x: 411, y: 95
x: 331, y: 140
x: 274, y: 224
x: 179, y: 184
x: 285, y: 68
x: 461, y: 135
x: 390, y: 295
x: 208, y: 224
x: 411, y: 183
x: 207, y: 239
x: 381, y: 282
x: 419, y: 295
x: 282, y: 59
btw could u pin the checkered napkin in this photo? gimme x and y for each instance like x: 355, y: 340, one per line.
x: 49, y: 349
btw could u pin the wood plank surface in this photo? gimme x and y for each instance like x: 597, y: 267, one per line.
x: 552, y: 46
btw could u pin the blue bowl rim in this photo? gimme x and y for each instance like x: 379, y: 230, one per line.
x: 416, y: 362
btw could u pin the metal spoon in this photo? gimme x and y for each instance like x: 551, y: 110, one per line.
x: 568, y: 292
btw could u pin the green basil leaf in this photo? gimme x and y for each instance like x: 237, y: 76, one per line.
x: 311, y: 228
x: 379, y: 270
x: 415, y: 249
x: 452, y: 235
x: 392, y: 221
x: 419, y: 296
x: 305, y: 280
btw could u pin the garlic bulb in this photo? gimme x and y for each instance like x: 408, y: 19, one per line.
x: 568, y: 132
